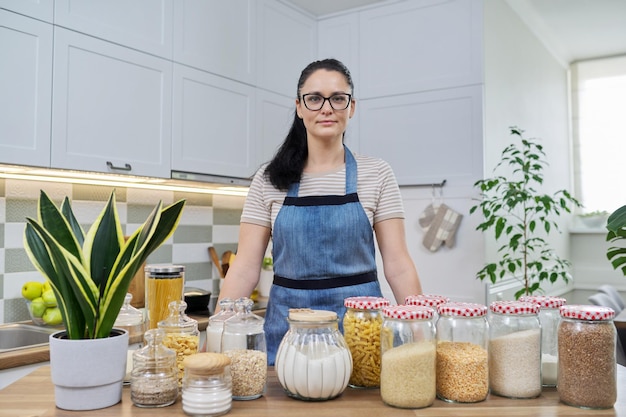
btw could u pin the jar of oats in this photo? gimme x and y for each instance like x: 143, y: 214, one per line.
x: 514, y: 349
x: 408, y: 345
x: 462, y: 360
x: 549, y: 317
x: 362, y: 323
x: 587, y: 374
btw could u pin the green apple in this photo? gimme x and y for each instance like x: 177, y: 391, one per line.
x: 46, y: 286
x: 49, y: 299
x: 32, y: 290
x: 52, y: 316
x: 37, y: 307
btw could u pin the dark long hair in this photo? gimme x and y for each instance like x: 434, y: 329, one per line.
x: 287, y: 165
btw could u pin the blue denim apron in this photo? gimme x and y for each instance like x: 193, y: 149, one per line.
x: 323, y: 252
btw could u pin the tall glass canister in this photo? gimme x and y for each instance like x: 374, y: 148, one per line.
x: 164, y: 283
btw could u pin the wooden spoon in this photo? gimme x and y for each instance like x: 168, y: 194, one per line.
x: 216, y: 261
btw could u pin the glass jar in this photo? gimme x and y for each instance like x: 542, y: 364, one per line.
x: 153, y: 380
x: 181, y: 334
x: 164, y: 284
x: 587, y: 374
x: 313, y: 361
x: 408, y: 346
x: 427, y: 300
x: 514, y: 349
x: 207, y: 385
x: 216, y: 325
x: 549, y: 317
x: 131, y: 319
x: 362, y: 324
x: 462, y: 359
x: 243, y: 341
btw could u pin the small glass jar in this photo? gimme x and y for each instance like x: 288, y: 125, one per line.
x: 216, y: 325
x: 408, y: 365
x: 313, y: 361
x: 587, y: 371
x: 514, y: 349
x: 207, y: 385
x: 243, y: 341
x: 462, y: 359
x: 153, y: 380
x: 131, y: 319
x: 549, y: 317
x: 362, y: 324
x: 427, y: 300
x: 181, y: 334
x: 164, y: 284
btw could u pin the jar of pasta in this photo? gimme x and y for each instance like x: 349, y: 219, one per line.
x: 313, y: 361
x: 408, y: 345
x: 462, y: 360
x: 514, y: 349
x: 181, y: 334
x: 427, y: 300
x: 549, y: 317
x: 362, y: 323
x: 164, y: 283
x: 587, y: 374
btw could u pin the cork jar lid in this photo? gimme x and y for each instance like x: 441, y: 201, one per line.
x: 307, y: 314
x: 206, y: 363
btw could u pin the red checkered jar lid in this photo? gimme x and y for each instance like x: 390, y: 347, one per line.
x: 428, y: 300
x: 544, y: 301
x: 514, y: 307
x: 587, y: 312
x: 462, y: 309
x: 366, y: 303
x: 408, y: 312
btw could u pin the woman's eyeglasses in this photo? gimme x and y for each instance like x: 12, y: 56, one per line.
x: 315, y: 102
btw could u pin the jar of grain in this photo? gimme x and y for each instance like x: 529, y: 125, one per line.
x: 164, y: 283
x: 587, y: 374
x: 549, y: 318
x: 243, y: 341
x: 408, y: 345
x: 153, y: 379
x: 427, y: 300
x: 313, y: 361
x: 216, y: 325
x: 181, y: 334
x: 514, y: 349
x: 462, y: 360
x: 362, y: 323
x: 207, y: 385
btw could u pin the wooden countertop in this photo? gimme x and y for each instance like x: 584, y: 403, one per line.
x: 33, y: 396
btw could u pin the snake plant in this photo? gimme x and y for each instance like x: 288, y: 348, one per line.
x: 90, y: 273
x: 616, y: 224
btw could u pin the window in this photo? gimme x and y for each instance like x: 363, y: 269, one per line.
x: 599, y: 109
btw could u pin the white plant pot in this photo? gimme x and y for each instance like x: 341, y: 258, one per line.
x: 88, y: 374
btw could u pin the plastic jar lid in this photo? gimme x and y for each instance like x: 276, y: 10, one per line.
x: 307, y: 314
x: 408, y: 312
x: 587, y: 312
x: 426, y: 300
x: 514, y: 307
x: 544, y: 301
x: 366, y: 303
x: 462, y: 309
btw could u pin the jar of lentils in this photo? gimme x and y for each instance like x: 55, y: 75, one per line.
x: 514, y: 349
x: 427, y: 300
x: 408, y: 346
x: 462, y: 359
x: 549, y: 318
x: 362, y: 323
x: 587, y: 374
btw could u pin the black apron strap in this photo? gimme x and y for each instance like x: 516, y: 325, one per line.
x: 321, y: 284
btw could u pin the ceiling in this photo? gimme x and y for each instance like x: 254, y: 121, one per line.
x: 573, y: 30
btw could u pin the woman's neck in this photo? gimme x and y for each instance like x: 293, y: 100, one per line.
x: 324, y: 157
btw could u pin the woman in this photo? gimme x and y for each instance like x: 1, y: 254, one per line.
x: 320, y: 205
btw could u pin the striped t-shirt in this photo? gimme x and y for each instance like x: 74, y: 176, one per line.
x: 377, y: 187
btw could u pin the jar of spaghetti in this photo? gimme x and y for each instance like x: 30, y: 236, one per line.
x: 587, y: 374
x: 462, y: 359
x: 427, y: 300
x: 362, y: 323
x: 164, y: 283
x: 408, y: 345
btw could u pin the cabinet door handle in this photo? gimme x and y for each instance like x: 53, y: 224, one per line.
x: 126, y: 167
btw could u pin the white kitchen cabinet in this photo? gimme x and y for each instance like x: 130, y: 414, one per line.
x: 39, y: 9
x: 275, y: 115
x: 338, y: 37
x: 145, y: 25
x: 213, y: 121
x: 26, y: 85
x: 111, y: 107
x: 217, y: 36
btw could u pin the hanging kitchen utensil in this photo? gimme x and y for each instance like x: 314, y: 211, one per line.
x: 216, y: 261
x: 226, y: 261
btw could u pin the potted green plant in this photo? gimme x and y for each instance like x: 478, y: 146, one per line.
x: 90, y: 275
x: 616, y: 225
x: 515, y: 210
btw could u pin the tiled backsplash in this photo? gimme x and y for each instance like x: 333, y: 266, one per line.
x: 207, y: 220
